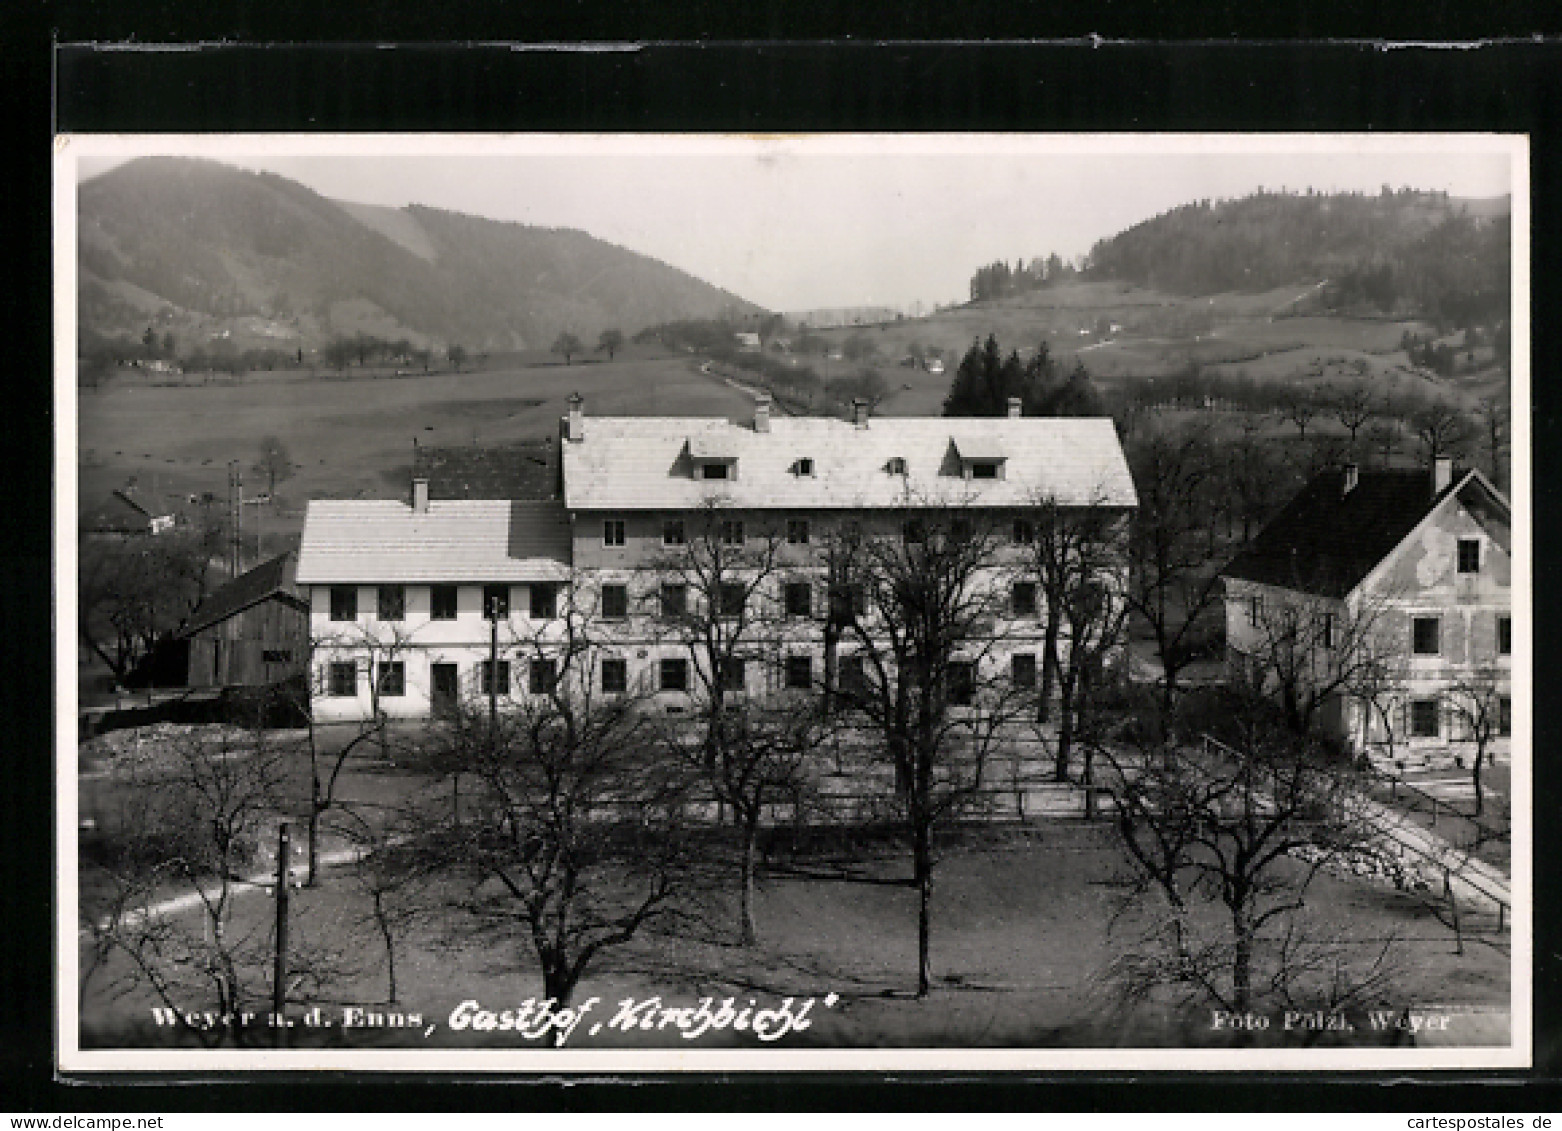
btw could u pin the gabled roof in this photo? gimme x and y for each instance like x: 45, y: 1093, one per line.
x: 1327, y: 541
x: 643, y: 463
x: 525, y: 470
x: 123, y: 512
x: 275, y: 577
x: 365, y: 541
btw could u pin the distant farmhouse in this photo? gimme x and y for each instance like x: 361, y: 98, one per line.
x: 127, y: 513
x: 1387, y: 594
x: 412, y: 600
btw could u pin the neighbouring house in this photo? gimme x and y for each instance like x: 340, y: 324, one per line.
x: 126, y: 513
x: 251, y: 632
x: 747, y: 340
x: 418, y: 605
x: 1380, y: 601
x: 522, y: 470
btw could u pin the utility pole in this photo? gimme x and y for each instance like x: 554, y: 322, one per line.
x: 493, y: 669
x: 279, y: 973
x: 235, y: 518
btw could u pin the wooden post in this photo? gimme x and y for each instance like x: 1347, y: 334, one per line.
x: 279, y: 972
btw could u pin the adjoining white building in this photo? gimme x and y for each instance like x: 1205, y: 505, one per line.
x: 426, y: 593
x: 1389, y: 591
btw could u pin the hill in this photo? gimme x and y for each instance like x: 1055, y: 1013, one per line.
x: 205, y: 252
x: 1407, y: 253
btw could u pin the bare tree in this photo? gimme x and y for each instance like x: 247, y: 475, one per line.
x: 1442, y: 430
x: 1493, y: 417
x: 1174, y: 578
x: 1301, y: 408
x: 919, y: 615
x: 1245, y: 824
x: 1478, y: 701
x: 576, y: 834
x: 751, y: 756
x: 1352, y: 407
x: 274, y: 463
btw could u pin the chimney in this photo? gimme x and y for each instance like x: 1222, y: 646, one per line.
x: 860, y: 412
x: 577, y: 418
x: 1014, y: 408
x: 1352, y: 477
x: 1442, y: 474
x: 420, y: 496
x: 762, y: 412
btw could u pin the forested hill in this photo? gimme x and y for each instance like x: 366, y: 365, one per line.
x: 1413, y: 252
x: 205, y: 251
x: 1425, y: 252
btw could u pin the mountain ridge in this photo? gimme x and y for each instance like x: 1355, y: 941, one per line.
x: 203, y: 251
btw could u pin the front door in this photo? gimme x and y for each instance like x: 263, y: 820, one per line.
x: 445, y: 689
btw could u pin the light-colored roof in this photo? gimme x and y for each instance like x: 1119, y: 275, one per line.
x: 379, y: 540
x: 642, y: 463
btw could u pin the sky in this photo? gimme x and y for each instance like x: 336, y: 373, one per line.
x: 793, y: 223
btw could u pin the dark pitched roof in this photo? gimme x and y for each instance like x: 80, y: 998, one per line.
x: 266, y: 579
x: 116, y: 514
x: 1326, y: 541
x: 525, y: 470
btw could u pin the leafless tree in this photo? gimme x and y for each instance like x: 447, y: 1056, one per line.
x: 1246, y: 824
x: 1351, y: 405
x: 1442, y: 430
x: 576, y: 833
x: 1493, y: 417
x: 918, y: 616
x: 1476, y: 700
x: 1174, y: 580
x: 1301, y: 408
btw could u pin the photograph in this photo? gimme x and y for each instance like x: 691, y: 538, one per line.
x: 614, y: 602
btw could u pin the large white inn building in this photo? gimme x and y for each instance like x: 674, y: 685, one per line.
x: 410, y: 602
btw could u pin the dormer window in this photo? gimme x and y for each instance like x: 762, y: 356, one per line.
x: 713, y: 455
x: 984, y: 469
x: 982, y: 458
x: 713, y: 471
x: 803, y: 466
x: 896, y: 465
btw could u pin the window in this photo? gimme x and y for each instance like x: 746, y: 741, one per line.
x: 672, y: 532
x: 544, y: 602
x: 1504, y: 636
x: 1024, y: 598
x: 343, y: 679
x: 1022, y: 670
x: 729, y: 599
x: 344, y: 602
x: 613, y: 532
x: 1023, y: 533
x: 276, y: 656
x: 615, y: 677
x: 913, y: 531
x: 1425, y: 633
x: 713, y: 471
x: 804, y: 466
x: 1423, y: 718
x: 615, y: 601
x: 733, y: 672
x: 1469, y: 555
x: 675, y: 675
x: 984, y: 470
x: 846, y: 603
x: 732, y: 532
x: 799, y: 672
x: 854, y: 676
x: 962, y: 683
x: 392, y: 602
x: 496, y: 601
x: 799, y: 599
x: 541, y: 676
x: 1255, y: 610
x: 442, y: 602
x: 485, y: 677
x: 392, y: 679
x: 896, y: 466
x: 1504, y: 716
x: 675, y: 600
x: 797, y: 531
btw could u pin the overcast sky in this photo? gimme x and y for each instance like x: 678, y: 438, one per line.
x: 793, y: 223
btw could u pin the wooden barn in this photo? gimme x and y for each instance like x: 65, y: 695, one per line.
x: 253, y: 631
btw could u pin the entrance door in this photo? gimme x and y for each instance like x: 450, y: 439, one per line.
x: 445, y: 689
